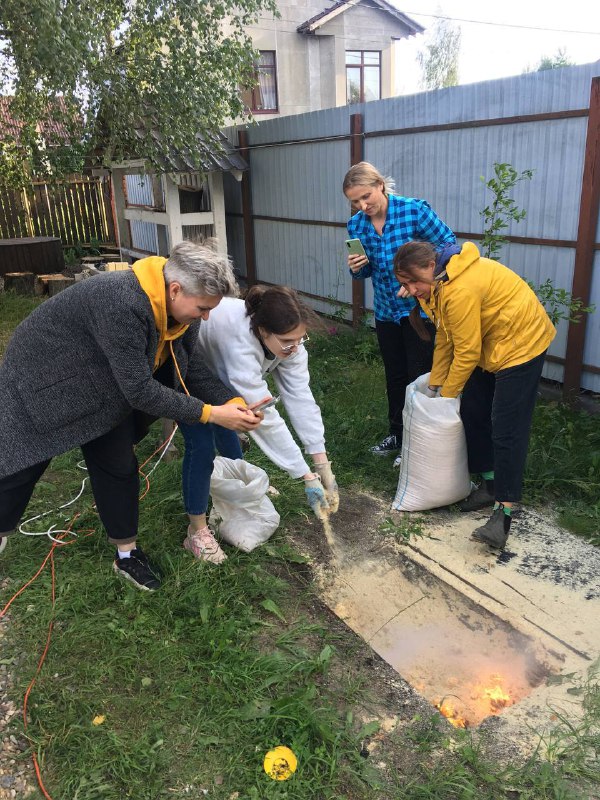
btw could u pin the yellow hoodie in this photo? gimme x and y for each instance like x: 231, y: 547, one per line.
x: 485, y: 315
x: 149, y: 272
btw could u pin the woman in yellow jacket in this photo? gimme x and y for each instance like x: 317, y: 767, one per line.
x: 492, y: 334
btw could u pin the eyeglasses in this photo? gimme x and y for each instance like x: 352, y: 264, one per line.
x: 287, y: 348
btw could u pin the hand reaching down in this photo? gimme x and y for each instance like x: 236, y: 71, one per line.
x: 327, y: 477
x: 315, y: 495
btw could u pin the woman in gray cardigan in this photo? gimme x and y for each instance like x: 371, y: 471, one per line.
x: 93, y: 366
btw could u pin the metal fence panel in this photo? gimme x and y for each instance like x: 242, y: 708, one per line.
x: 302, y: 181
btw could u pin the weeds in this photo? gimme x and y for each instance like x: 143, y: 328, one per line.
x: 564, y: 466
x: 404, y: 529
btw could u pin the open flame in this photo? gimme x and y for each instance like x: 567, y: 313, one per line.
x: 447, y: 709
x: 498, y: 698
x: 488, y: 699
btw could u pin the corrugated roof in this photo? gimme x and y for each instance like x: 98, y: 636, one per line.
x: 343, y: 5
x: 217, y: 154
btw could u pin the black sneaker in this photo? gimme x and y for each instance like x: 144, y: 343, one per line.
x: 138, y: 570
x: 391, y: 444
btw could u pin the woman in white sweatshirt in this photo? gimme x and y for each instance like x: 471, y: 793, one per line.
x: 242, y: 342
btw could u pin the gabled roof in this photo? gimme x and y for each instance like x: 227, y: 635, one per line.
x: 217, y: 154
x: 312, y: 24
x: 53, y: 131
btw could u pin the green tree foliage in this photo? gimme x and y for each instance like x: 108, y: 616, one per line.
x: 158, y: 73
x: 503, y: 209
x: 439, y: 60
x: 560, y: 304
x: 558, y: 60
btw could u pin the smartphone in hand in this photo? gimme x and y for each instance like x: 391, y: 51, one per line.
x: 266, y: 402
x: 355, y: 247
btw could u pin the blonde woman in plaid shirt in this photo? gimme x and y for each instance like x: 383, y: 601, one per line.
x: 383, y: 222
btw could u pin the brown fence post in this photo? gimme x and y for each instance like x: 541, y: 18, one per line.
x: 247, y: 212
x: 584, y: 250
x: 357, y: 154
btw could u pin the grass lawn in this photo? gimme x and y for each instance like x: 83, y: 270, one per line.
x: 181, y: 692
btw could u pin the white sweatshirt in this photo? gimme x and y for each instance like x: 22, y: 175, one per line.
x: 235, y: 354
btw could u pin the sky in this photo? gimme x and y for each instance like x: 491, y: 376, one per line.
x: 499, y: 48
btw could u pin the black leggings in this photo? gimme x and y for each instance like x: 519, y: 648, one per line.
x: 496, y: 410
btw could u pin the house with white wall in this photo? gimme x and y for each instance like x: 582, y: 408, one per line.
x: 314, y: 57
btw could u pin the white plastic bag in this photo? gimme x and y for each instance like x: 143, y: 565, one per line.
x: 434, y: 470
x: 241, y: 511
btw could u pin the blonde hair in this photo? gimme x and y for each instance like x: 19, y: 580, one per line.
x: 365, y: 174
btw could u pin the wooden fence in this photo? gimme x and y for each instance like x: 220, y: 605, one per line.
x: 78, y: 211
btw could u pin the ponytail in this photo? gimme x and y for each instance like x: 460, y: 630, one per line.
x: 418, y: 324
x: 278, y: 309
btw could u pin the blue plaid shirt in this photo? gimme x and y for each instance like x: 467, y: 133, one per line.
x: 406, y: 219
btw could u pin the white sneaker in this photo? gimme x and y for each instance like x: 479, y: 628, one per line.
x: 397, y: 462
x: 203, y: 545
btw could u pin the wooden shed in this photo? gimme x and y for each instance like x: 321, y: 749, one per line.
x: 156, y: 210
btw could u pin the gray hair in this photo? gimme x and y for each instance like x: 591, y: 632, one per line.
x: 201, y: 270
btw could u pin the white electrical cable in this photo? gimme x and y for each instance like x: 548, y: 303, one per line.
x: 52, y: 529
x: 165, y: 447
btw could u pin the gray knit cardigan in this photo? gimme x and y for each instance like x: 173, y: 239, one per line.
x: 82, y: 361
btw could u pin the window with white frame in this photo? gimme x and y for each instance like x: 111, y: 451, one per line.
x: 363, y: 75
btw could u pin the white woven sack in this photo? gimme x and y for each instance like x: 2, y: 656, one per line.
x: 241, y: 512
x: 434, y: 470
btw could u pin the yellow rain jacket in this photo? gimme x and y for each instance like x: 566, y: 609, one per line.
x: 485, y: 315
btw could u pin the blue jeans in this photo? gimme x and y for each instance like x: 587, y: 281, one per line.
x: 200, y: 442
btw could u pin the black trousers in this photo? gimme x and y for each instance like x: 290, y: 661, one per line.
x: 496, y: 410
x: 112, y: 470
x: 113, y: 473
x: 405, y: 356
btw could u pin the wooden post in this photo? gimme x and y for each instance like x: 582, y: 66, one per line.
x: 584, y: 249
x: 173, y: 210
x: 356, y: 155
x: 217, y: 203
x: 251, y: 277
x: 119, y: 201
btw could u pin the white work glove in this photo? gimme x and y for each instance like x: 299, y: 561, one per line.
x: 332, y: 493
x: 315, y: 495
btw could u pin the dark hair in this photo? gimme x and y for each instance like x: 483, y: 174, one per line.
x: 411, y: 259
x: 278, y: 309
